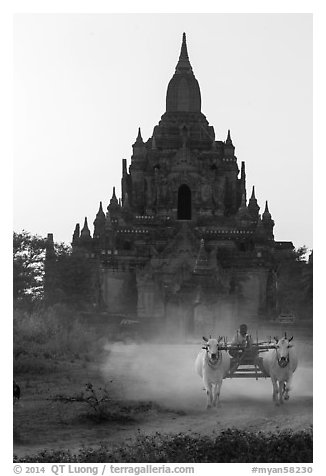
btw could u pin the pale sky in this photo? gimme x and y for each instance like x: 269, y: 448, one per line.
x: 84, y: 83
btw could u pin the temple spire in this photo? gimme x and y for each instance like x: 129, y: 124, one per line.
x: 243, y: 171
x: 113, y: 206
x: 139, y: 137
x: 76, y: 235
x: 85, y: 233
x: 229, y: 147
x: 228, y: 139
x: 183, y: 94
x: 266, y: 215
x: 268, y: 222
x: 124, y: 167
x: 99, y: 223
x: 243, y: 189
x: 139, y: 143
x: 184, y: 52
x: 100, y: 210
x: 100, y: 216
x: 253, y: 206
x: 266, y: 207
x: 183, y: 65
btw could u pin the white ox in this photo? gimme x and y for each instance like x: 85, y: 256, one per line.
x: 212, y: 364
x: 280, y: 364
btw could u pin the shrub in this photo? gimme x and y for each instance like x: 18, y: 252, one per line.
x: 99, y: 404
x: 101, y: 407
x: 229, y: 446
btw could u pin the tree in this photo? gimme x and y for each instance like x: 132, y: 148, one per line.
x: 28, y: 267
x: 294, y: 282
x: 76, y: 283
x: 50, y: 273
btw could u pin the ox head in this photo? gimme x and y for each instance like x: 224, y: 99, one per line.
x: 282, y: 349
x: 212, y: 347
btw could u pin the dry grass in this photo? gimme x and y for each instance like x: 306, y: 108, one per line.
x: 44, y: 337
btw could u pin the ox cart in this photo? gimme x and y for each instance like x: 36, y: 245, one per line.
x: 219, y: 360
x: 246, y: 361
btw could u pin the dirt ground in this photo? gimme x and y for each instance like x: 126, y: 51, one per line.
x: 163, y: 376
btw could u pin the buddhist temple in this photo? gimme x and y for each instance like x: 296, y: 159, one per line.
x: 184, y: 247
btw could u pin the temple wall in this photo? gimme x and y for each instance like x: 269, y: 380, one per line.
x: 217, y: 319
x: 150, y: 302
x: 118, y: 290
x: 221, y: 315
x: 253, y: 292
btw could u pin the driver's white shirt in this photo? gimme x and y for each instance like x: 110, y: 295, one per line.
x: 240, y: 339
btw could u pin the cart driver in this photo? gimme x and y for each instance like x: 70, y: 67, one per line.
x: 244, y: 341
x: 242, y: 337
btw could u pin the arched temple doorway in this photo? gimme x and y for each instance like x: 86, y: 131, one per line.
x: 184, y: 203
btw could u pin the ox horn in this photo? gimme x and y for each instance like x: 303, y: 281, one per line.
x: 290, y: 338
x: 285, y: 335
x: 220, y: 338
x: 205, y: 339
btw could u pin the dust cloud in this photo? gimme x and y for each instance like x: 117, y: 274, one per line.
x: 165, y: 373
x: 158, y: 372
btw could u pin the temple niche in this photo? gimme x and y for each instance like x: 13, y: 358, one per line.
x: 183, y: 250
